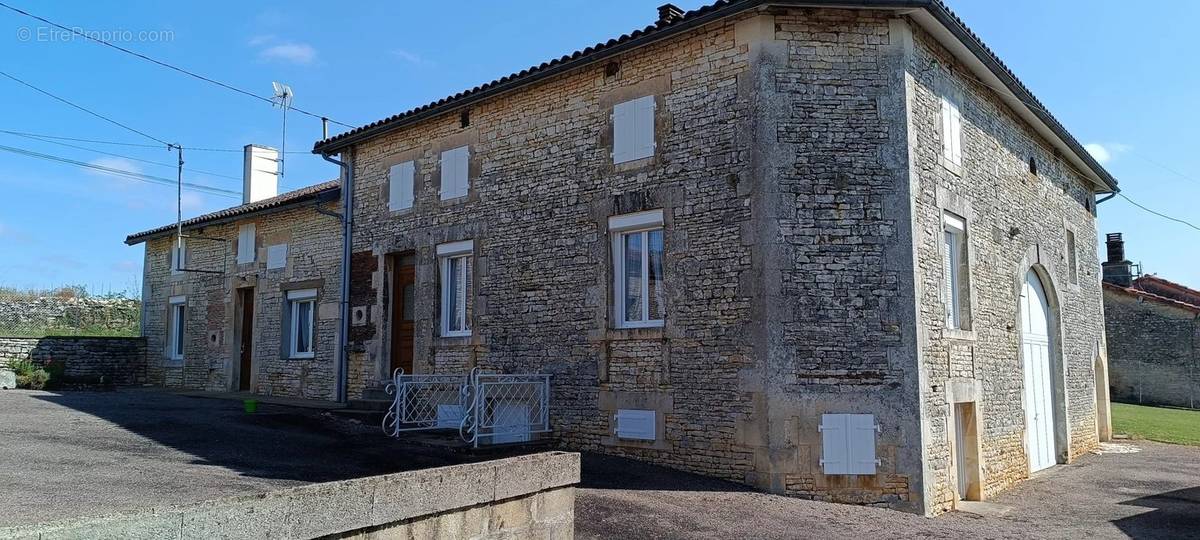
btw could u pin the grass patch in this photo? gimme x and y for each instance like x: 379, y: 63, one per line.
x: 1162, y: 424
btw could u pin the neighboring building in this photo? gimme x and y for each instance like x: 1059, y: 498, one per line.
x: 834, y: 250
x: 251, y: 300
x: 1153, y: 328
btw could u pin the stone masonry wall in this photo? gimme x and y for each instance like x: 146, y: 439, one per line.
x: 116, y: 360
x: 211, y: 357
x: 1016, y: 221
x: 1153, y: 351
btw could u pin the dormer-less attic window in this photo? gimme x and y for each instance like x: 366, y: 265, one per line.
x: 1033, y: 165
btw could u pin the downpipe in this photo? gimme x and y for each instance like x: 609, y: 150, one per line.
x: 343, y: 348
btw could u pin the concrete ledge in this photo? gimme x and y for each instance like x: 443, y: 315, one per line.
x: 335, y: 508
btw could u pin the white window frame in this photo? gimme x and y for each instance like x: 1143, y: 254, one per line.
x: 620, y: 227
x: 447, y: 253
x: 294, y: 300
x: 956, y: 281
x: 633, y: 129
x: 176, y: 327
x: 401, y: 186
x: 178, y: 256
x: 951, y: 129
x: 247, y: 246
x: 456, y: 172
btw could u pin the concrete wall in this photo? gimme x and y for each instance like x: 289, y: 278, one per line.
x: 523, y: 497
x: 1153, y: 350
x: 211, y: 352
x: 1016, y: 221
x: 115, y: 360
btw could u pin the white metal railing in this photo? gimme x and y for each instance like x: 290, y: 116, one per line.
x: 486, y: 408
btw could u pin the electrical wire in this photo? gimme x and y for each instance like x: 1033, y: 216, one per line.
x: 123, y: 173
x: 123, y: 156
x: 118, y: 143
x: 86, y: 110
x: 226, y: 86
x: 1159, y: 214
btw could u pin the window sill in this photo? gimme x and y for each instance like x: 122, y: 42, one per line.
x: 955, y: 168
x: 635, y: 333
x: 446, y: 201
x: 306, y: 356
x: 959, y: 335
x: 400, y: 211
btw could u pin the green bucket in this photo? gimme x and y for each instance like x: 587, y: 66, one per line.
x: 251, y: 405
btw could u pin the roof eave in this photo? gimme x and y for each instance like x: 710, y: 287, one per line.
x: 320, y: 197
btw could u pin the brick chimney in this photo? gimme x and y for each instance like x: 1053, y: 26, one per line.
x: 260, y: 173
x: 669, y: 13
x: 1117, y: 269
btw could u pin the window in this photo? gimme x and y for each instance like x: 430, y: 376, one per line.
x: 176, y: 326
x: 178, y: 256
x: 636, y: 424
x: 455, y: 260
x: 633, y: 129
x: 637, y: 247
x: 277, y: 256
x: 400, y: 186
x: 454, y: 172
x: 246, y: 247
x: 1072, y: 258
x: 848, y: 443
x: 301, y: 308
x: 956, y: 273
x: 1033, y: 165
x: 951, y: 131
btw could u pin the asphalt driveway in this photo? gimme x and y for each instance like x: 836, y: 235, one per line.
x: 90, y: 453
x: 1153, y: 493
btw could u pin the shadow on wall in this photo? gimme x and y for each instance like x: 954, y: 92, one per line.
x: 277, y: 442
x: 1174, y: 511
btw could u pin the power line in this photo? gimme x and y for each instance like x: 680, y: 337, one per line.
x: 125, y: 173
x: 86, y: 110
x: 226, y: 86
x: 123, y: 156
x: 119, y: 143
x: 1159, y: 214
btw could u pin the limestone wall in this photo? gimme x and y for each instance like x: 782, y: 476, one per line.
x: 112, y: 360
x: 523, y: 497
x: 1153, y: 351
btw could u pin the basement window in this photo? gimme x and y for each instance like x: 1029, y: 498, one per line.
x: 176, y: 325
x: 454, y: 172
x: 848, y: 443
x: 301, y: 311
x: 633, y: 130
x: 956, y: 273
x: 639, y: 300
x: 455, y: 260
x: 400, y: 186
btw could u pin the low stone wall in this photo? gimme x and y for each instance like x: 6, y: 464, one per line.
x: 116, y: 360
x: 522, y: 497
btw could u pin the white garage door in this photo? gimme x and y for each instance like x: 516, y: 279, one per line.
x: 1035, y: 349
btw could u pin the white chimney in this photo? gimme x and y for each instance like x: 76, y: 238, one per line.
x: 260, y: 173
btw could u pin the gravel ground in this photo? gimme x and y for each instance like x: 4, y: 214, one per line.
x: 90, y: 453
x: 1153, y: 493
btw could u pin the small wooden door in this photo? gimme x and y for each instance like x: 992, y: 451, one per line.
x: 246, y: 343
x: 403, y: 303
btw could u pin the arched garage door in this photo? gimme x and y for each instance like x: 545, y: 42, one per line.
x: 1039, y: 392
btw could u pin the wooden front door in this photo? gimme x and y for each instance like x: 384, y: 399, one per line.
x: 246, y: 341
x: 403, y: 301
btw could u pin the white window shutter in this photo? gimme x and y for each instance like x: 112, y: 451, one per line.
x: 401, y: 186
x: 623, y: 132
x: 638, y: 424
x: 246, y: 247
x: 173, y: 254
x: 454, y: 172
x: 947, y: 131
x: 862, y: 443
x: 948, y: 278
x: 644, y: 127
x: 462, y: 169
x: 277, y: 256
x: 835, y: 456
x: 956, y: 133
x: 447, y: 185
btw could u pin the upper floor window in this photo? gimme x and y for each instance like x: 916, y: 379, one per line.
x: 633, y: 129
x: 951, y: 130
x: 400, y: 186
x: 178, y: 255
x: 455, y: 261
x: 246, y: 247
x: 637, y: 246
x: 277, y: 256
x: 301, y: 310
x: 956, y: 272
x: 176, y: 326
x: 455, y: 172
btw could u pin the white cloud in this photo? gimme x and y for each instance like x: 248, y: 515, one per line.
x: 120, y: 164
x: 261, y: 40
x: 192, y: 201
x: 1105, y: 153
x: 411, y: 57
x: 296, y: 53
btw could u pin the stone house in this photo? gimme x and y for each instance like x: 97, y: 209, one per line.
x: 1153, y: 330
x: 249, y: 300
x: 829, y: 249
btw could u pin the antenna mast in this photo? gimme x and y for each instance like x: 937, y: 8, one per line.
x: 282, y: 99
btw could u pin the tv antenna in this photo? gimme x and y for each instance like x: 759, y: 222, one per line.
x: 282, y: 98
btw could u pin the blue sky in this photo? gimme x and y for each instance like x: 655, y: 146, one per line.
x: 1119, y: 78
